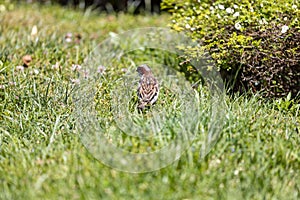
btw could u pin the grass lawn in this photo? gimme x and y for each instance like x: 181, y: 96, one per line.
x: 42, y: 156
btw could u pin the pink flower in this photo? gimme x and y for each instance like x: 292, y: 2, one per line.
x: 85, y: 73
x: 68, y: 37
x: 101, y: 69
x: 12, y: 83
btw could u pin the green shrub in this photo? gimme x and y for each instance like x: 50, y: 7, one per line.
x: 256, y: 42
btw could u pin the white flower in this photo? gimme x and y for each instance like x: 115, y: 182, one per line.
x: 285, y: 18
x: 236, y: 14
x: 34, y: 30
x: 35, y: 71
x: 229, y: 10
x: 235, y: 6
x: 56, y: 66
x: 238, y: 26
x: 294, y: 6
x: 20, y: 68
x: 221, y: 7
x: 12, y: 83
x: 251, y: 9
x: 187, y: 26
x: 68, y: 37
x: 2, y: 8
x: 284, y: 29
x: 75, y: 81
x: 76, y: 67
x: 68, y: 40
x: 2, y: 86
x: 263, y: 21
x: 236, y: 172
x: 211, y: 8
x: 219, y: 16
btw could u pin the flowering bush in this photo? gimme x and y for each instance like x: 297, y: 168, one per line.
x: 256, y: 42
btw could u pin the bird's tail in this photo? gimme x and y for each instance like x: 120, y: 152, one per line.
x: 142, y: 105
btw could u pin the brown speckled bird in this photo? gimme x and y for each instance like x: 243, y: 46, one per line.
x: 148, y: 88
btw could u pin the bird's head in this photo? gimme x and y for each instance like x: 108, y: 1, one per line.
x: 143, y: 70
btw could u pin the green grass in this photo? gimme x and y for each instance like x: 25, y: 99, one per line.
x: 41, y: 155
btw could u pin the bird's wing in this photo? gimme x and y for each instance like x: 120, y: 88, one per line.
x: 148, y: 90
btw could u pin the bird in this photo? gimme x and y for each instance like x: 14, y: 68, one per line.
x: 148, y: 88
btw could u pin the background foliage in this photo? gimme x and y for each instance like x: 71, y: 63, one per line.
x: 255, y: 44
